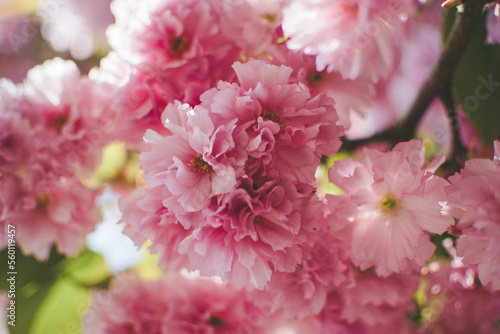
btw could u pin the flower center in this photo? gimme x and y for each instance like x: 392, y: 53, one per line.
x: 200, y: 165
x: 270, y: 116
x: 42, y: 203
x: 59, y: 121
x: 216, y: 321
x: 388, y: 204
x: 179, y: 45
x: 270, y: 17
x: 315, y: 78
x: 351, y: 9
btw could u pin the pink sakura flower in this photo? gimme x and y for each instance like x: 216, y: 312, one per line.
x: 136, y: 99
x: 476, y: 191
x: 254, y: 231
x: 391, y: 319
x: 194, y: 162
x: 234, y: 171
x: 52, y: 135
x: 354, y: 37
x: 393, y: 202
x: 15, y: 142
x: 177, y: 42
x: 371, y: 299
x: 45, y: 212
x: 287, y: 129
x: 350, y: 96
x: 251, y: 24
x: 145, y: 217
x: 420, y: 49
x: 303, y: 292
x: 65, y: 111
x: 172, y: 304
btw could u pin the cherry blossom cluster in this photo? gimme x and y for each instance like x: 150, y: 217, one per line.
x: 172, y: 304
x: 52, y: 133
x: 234, y: 106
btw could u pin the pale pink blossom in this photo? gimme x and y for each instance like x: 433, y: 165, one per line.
x: 476, y: 192
x: 230, y: 171
x: 396, y: 200
x: 172, y: 304
x: 65, y: 112
x: 356, y: 38
x: 420, y: 49
x: 52, y: 135
x: 45, y: 212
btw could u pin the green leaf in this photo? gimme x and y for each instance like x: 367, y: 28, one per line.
x: 30, y: 269
x: 476, y: 81
x: 89, y: 269
x: 32, y: 283
x: 62, y: 309
x: 42, y: 290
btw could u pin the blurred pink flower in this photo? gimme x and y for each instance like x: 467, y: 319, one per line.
x: 420, y: 49
x: 65, y: 112
x: 53, y: 133
x: 178, y: 41
x: 459, y: 304
x: 476, y: 193
x: 354, y: 37
x: 172, y: 304
x: 46, y: 212
x: 369, y: 298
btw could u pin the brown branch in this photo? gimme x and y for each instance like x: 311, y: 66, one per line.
x: 459, y: 152
x: 439, y: 79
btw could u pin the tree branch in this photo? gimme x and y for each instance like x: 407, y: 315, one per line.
x: 439, y: 79
x: 459, y: 152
